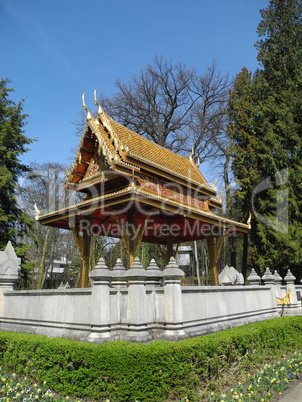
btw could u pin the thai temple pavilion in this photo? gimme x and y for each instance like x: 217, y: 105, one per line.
x: 138, y: 191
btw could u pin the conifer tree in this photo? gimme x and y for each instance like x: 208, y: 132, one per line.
x: 265, y: 128
x: 13, y: 222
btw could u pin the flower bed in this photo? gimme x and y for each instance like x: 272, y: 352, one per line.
x: 268, y: 383
x: 12, y: 389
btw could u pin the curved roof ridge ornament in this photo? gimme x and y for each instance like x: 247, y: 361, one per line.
x: 66, y: 174
x: 100, y: 109
x: 215, y: 184
x: 106, y: 122
x: 127, y: 144
x: 38, y: 213
x: 89, y: 117
x: 192, y: 154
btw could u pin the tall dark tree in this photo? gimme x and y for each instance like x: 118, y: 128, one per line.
x: 247, y: 148
x: 265, y: 127
x: 13, y: 144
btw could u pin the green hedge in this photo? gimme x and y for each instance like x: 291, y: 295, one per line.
x: 158, y: 371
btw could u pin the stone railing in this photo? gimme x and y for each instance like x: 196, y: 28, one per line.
x: 141, y: 305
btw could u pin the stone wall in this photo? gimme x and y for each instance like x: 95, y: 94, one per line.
x: 141, y: 305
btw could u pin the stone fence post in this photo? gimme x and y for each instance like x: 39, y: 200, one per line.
x: 154, y: 275
x: 100, y: 303
x: 118, y: 275
x: 292, y: 307
x: 277, y: 279
x: 253, y: 278
x: 9, y: 271
x: 137, y: 303
x: 173, y: 311
x: 153, y: 281
x: 119, y: 284
x: 277, y: 290
x: 268, y: 278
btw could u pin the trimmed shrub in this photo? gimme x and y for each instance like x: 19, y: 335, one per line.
x: 158, y: 371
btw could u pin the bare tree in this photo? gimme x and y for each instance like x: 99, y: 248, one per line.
x: 44, y: 186
x: 174, y: 107
x: 156, y: 103
x: 178, y: 109
x: 209, y: 114
x: 208, y: 128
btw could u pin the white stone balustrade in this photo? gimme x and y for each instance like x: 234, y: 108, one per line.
x: 140, y: 305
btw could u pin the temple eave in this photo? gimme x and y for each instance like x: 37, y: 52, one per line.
x: 141, y: 200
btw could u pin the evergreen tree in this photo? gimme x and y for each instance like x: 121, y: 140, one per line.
x: 13, y: 221
x: 265, y: 128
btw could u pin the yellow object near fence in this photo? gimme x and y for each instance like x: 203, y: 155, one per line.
x: 284, y: 300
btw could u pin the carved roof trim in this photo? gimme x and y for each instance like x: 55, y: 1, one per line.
x: 133, y: 190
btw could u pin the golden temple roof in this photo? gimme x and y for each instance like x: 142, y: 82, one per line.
x: 145, y: 150
x: 123, y: 147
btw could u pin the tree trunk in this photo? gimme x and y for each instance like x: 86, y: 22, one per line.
x: 233, y: 253
x: 227, y: 185
x: 43, y: 258
x: 245, y: 255
x: 48, y: 265
x: 196, y: 262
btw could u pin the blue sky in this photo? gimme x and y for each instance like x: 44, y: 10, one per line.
x: 54, y: 51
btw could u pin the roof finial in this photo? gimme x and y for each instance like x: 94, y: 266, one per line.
x: 249, y: 220
x: 100, y: 109
x: 89, y: 117
x: 198, y: 161
x: 66, y: 174
x: 215, y: 183
x: 127, y: 144
x: 192, y: 155
x: 38, y: 213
